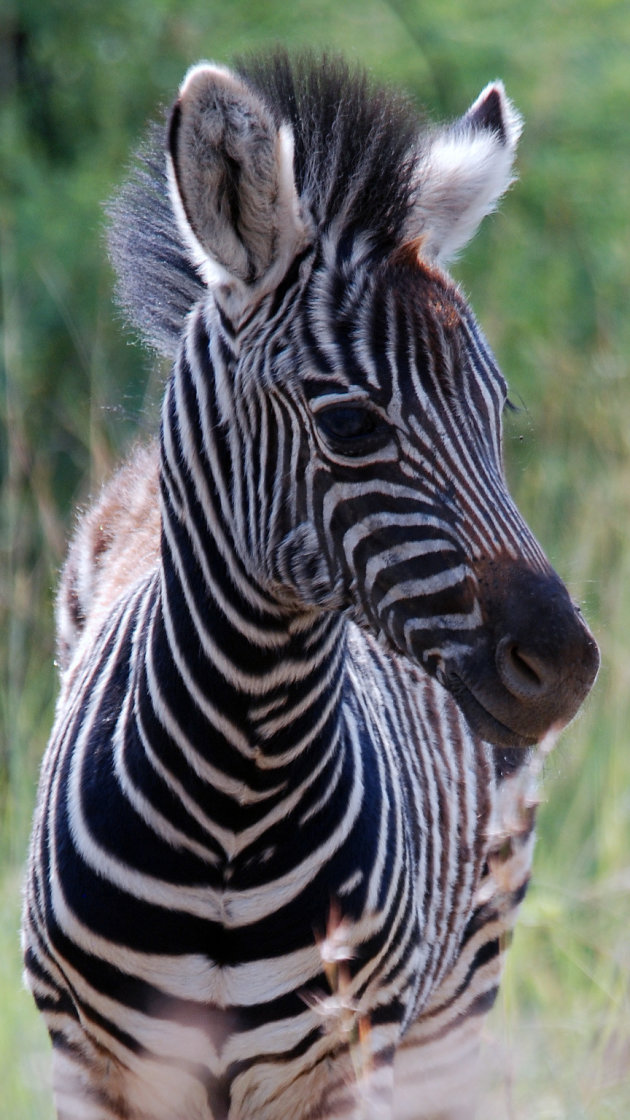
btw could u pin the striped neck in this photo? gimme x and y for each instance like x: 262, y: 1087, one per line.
x: 246, y: 679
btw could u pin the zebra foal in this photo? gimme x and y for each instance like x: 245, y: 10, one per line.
x: 308, y: 644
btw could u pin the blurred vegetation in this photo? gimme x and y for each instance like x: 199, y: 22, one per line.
x: 549, y: 277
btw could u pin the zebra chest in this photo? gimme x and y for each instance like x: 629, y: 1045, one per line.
x: 226, y: 935
x: 385, y: 833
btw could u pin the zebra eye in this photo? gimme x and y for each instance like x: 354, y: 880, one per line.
x: 352, y: 430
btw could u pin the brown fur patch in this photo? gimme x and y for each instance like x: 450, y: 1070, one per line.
x: 117, y: 542
x: 439, y: 294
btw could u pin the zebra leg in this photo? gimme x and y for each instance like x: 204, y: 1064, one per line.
x: 437, y: 1077
x: 332, y: 1087
x: 92, y: 1085
x: 437, y: 1064
x: 79, y: 1086
x: 368, y: 1098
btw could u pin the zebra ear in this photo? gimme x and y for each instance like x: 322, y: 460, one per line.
x: 231, y: 180
x: 462, y: 174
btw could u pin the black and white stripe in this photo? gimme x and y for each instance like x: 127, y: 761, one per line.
x: 284, y: 821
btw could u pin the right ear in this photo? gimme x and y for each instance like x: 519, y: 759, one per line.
x: 232, y: 182
x: 462, y: 174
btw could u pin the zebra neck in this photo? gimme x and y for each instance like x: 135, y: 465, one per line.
x: 243, y: 676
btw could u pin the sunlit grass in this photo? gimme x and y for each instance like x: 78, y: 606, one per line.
x: 27, y: 708
x: 559, y: 1039
x: 24, y: 1046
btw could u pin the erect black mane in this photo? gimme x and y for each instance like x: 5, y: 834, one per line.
x: 354, y: 140
x: 355, y: 144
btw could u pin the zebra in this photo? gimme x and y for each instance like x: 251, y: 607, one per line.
x: 307, y: 644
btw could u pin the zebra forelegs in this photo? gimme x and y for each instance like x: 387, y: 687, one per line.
x: 437, y: 1074
x: 76, y: 1094
x: 92, y: 1084
x: 368, y: 1098
x: 328, y: 1090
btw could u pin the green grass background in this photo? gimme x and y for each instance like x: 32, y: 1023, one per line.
x: 550, y: 280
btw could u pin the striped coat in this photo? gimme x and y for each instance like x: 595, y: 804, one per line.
x: 286, y: 814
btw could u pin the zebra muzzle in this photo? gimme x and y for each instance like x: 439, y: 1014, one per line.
x: 534, y: 660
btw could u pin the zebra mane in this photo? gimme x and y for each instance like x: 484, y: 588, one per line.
x: 356, y: 144
x: 156, y: 283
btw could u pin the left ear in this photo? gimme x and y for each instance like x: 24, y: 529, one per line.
x: 232, y: 187
x: 462, y: 173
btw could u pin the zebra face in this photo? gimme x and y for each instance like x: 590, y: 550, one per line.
x: 360, y: 403
x: 403, y: 516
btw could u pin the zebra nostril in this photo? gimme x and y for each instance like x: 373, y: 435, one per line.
x: 523, y: 673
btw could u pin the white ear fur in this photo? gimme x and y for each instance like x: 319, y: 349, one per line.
x: 230, y: 172
x: 462, y: 174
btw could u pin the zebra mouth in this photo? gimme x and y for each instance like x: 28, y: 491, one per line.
x: 481, y: 721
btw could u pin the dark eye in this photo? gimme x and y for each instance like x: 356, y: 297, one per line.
x: 352, y: 429
x: 345, y: 422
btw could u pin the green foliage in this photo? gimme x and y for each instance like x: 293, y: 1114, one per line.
x: 549, y: 277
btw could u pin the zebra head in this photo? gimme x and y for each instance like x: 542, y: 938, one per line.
x: 355, y: 405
